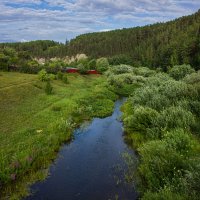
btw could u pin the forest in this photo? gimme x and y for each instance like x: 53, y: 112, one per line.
x: 158, y: 45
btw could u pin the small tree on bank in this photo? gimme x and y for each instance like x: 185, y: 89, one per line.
x: 102, y: 64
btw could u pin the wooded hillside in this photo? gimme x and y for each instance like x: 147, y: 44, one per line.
x: 157, y: 45
x: 161, y: 44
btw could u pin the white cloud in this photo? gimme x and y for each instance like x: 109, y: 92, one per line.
x: 81, y: 16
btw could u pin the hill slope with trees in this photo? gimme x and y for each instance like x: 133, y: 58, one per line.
x: 158, y: 45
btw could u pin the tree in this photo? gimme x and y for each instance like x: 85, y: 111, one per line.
x: 102, y: 64
x: 82, y: 68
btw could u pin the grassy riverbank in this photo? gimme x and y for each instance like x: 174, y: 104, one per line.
x: 34, y: 124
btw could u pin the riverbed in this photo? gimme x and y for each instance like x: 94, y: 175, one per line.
x: 91, y: 167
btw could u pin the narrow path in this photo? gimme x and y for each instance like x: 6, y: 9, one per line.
x: 15, y: 85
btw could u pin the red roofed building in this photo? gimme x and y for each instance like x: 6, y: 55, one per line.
x: 92, y: 72
x: 72, y: 70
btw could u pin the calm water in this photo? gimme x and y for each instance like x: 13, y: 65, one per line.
x: 89, y: 167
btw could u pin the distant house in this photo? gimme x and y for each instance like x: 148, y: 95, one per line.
x: 75, y: 70
x: 92, y: 72
x: 72, y: 70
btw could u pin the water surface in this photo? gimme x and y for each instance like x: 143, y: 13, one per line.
x: 88, y: 167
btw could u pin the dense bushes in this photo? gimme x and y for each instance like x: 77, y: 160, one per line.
x: 180, y: 71
x: 163, y: 94
x: 159, y: 118
x: 123, y: 80
x: 82, y: 68
x: 102, y: 64
x: 43, y: 76
x: 121, y: 69
x: 167, y: 164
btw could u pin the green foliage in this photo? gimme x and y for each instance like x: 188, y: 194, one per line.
x: 144, y: 71
x: 159, y: 45
x: 121, y: 69
x: 159, y: 118
x: 193, y: 78
x: 123, y: 80
x: 164, y: 163
x: 82, y: 68
x: 92, y: 64
x: 52, y: 119
x: 4, y: 62
x: 48, y: 88
x: 60, y: 75
x: 142, y: 119
x: 65, y: 79
x: 52, y: 77
x: 164, y: 194
x: 102, y: 64
x: 164, y: 94
x: 43, y: 76
x: 180, y: 71
x: 175, y: 117
x: 121, y: 59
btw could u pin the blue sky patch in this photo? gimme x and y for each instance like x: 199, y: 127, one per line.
x: 25, y: 20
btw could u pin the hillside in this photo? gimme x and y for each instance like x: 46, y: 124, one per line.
x: 161, y: 44
x: 38, y: 48
x: 157, y: 45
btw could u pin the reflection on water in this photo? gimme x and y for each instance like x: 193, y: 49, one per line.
x: 91, y: 166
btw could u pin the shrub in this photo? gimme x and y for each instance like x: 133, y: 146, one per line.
x: 48, y: 88
x: 122, y: 79
x: 121, y: 69
x: 193, y: 78
x: 43, y: 76
x: 102, y: 65
x: 175, y: 117
x: 82, y: 68
x: 181, y: 141
x: 180, y: 71
x: 165, y: 162
x: 92, y: 64
x: 4, y: 62
x: 167, y: 93
x: 121, y: 59
x: 51, y: 76
x: 65, y: 79
x: 158, y: 79
x: 164, y: 194
x: 60, y: 75
x: 142, y: 119
x: 144, y: 71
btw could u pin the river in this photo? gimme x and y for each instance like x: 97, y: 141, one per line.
x: 90, y: 167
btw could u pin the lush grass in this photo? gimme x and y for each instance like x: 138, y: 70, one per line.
x: 34, y: 124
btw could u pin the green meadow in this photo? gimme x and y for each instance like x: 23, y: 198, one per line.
x: 34, y: 124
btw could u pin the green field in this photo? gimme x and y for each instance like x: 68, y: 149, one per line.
x: 34, y: 124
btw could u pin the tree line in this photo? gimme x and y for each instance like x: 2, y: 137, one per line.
x: 158, y: 45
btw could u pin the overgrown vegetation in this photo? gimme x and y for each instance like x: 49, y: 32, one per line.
x: 161, y: 120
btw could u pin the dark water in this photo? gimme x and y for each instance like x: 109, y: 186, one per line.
x: 89, y: 168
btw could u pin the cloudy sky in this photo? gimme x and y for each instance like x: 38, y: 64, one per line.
x: 24, y: 20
